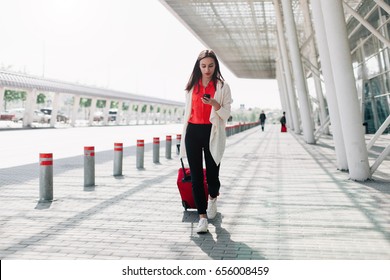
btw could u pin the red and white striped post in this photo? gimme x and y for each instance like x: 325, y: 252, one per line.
x: 178, y: 140
x: 118, y: 159
x: 168, y: 147
x: 45, y: 177
x: 156, y: 149
x: 140, y: 154
x: 89, y: 166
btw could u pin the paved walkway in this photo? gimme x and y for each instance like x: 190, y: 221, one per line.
x: 280, y: 199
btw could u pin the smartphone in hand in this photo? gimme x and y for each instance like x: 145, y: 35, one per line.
x: 206, y: 95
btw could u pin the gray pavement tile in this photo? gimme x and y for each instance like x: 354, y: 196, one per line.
x: 280, y: 199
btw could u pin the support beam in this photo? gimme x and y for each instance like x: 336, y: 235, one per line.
x: 313, y: 60
x: 379, y: 132
x: 292, y: 100
x: 300, y: 81
x: 341, y: 156
x: 340, y: 57
x: 367, y: 25
x: 383, y: 5
x: 380, y: 159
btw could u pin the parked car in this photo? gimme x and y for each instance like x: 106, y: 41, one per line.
x: 6, y: 116
x: 112, y: 113
x: 99, y: 115
x: 61, y: 117
x: 38, y: 116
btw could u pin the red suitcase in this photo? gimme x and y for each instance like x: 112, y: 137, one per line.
x: 185, y: 186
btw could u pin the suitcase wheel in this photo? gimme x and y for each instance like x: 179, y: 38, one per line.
x: 185, y: 205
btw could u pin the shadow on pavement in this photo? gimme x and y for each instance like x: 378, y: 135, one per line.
x: 221, y: 246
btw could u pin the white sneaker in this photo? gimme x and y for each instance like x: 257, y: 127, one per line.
x: 202, y: 226
x: 212, y: 208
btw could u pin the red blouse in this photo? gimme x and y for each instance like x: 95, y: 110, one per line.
x: 200, y: 112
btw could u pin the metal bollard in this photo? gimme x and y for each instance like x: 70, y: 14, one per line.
x: 140, y: 154
x: 89, y: 166
x: 156, y: 149
x: 178, y: 140
x: 118, y: 159
x: 168, y: 147
x: 46, y: 177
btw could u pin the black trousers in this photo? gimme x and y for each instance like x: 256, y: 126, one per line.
x: 197, y: 142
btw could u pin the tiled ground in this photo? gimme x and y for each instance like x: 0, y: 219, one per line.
x: 280, y: 199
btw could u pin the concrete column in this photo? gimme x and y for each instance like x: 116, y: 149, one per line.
x: 322, y: 43
x: 313, y: 59
x: 299, y: 75
x: 295, y: 125
x: 31, y: 100
x: 92, y: 111
x: 280, y: 82
x: 54, y: 107
x: 76, y: 105
x: 166, y: 109
x: 147, y: 113
x: 154, y: 113
x: 2, y: 91
x: 138, y: 113
x: 159, y: 114
x: 119, y: 113
x: 344, y: 80
x: 105, y: 112
x: 129, y: 112
x: 284, y: 96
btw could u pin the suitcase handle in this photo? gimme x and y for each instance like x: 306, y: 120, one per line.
x: 185, y: 177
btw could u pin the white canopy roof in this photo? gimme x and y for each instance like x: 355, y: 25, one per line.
x: 242, y: 33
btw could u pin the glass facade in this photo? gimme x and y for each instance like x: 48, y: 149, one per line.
x: 371, y: 62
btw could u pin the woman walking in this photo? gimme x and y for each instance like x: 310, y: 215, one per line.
x: 208, y: 106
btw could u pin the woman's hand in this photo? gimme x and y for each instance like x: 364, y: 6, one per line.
x: 212, y: 102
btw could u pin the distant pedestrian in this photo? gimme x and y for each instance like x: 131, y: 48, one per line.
x: 283, y: 122
x: 262, y: 120
x: 208, y: 107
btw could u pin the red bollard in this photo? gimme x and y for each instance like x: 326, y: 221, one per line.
x: 140, y: 154
x: 156, y: 149
x: 118, y: 159
x: 89, y: 166
x: 46, y: 177
x: 168, y: 147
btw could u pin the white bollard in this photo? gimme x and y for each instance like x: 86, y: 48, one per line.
x: 89, y: 166
x: 118, y: 159
x: 168, y: 147
x: 156, y: 149
x: 46, y: 177
x: 140, y: 154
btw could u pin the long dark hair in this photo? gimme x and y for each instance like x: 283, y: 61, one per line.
x: 197, y: 74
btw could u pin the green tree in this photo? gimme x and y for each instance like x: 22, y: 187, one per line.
x: 14, y: 96
x: 85, y: 102
x: 41, y: 98
x: 114, y: 105
x: 101, y: 104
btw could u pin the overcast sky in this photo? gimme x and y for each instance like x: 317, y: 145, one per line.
x: 133, y: 46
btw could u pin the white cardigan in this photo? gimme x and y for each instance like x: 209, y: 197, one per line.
x: 217, y: 118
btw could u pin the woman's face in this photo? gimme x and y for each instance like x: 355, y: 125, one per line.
x: 207, y: 67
